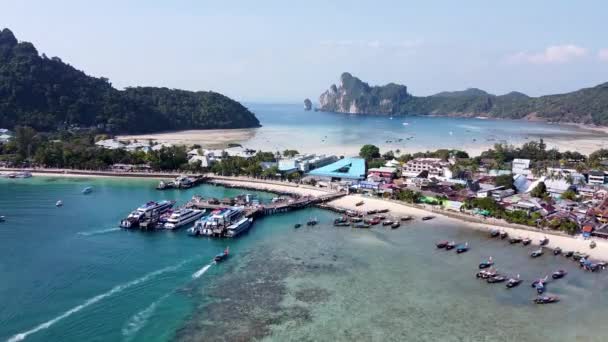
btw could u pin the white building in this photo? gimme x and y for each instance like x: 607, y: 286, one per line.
x: 306, y: 162
x: 521, y: 167
x: 110, y: 144
x: 596, y: 178
x: 435, y: 167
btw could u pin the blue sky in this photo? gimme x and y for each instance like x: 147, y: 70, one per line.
x: 285, y: 51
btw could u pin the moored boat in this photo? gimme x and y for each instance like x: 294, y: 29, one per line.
x: 145, y: 211
x: 239, y: 227
x: 406, y: 218
x: 59, y: 203
x: 557, y: 251
x: 312, y: 222
x: 503, y: 234
x: 442, y: 244
x: 515, y: 240
x: 526, y: 241
x: 513, y: 282
x: 387, y: 223
x: 297, y: 225
x: 341, y: 224
x: 485, y: 274
x: 87, y: 190
x: 383, y: 211
x: 450, y: 245
x: 487, y: 263
x: 546, y: 299
x: 360, y: 203
x: 462, y: 248
x: 496, y: 279
x: 426, y: 218
x: 559, y: 274
x: 568, y: 254
x: 536, y: 253
x: 395, y: 225
x: 494, y: 233
x: 361, y: 225
x: 544, y: 241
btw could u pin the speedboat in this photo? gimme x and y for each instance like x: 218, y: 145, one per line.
x: 559, y: 274
x: 513, y: 282
x: 297, y: 225
x: 59, y: 203
x: 341, y: 224
x: 426, y: 218
x: 360, y: 225
x: 526, y: 241
x: 537, y: 253
x: 341, y: 219
x: 442, y: 244
x: 557, y: 251
x: 503, y: 234
x: 450, y: 245
x: 383, y: 211
x: 485, y: 274
x: 387, y: 223
x: 222, y: 256
x: 496, y: 279
x: 539, y: 285
x: 514, y: 240
x: 87, y: 190
x: 486, y: 264
x: 544, y: 241
x: 395, y: 225
x: 2, y: 218
x: 406, y: 218
x: 494, y: 233
x: 360, y: 203
x: 462, y: 248
x: 546, y: 299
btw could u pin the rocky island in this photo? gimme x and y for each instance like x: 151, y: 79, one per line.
x: 584, y: 106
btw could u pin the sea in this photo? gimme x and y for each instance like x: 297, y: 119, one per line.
x: 288, y: 126
x: 70, y: 274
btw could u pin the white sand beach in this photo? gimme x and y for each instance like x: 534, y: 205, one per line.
x: 209, y: 138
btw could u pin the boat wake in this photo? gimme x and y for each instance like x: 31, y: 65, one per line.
x: 98, y: 232
x: 202, y: 271
x: 91, y: 301
x: 140, y: 319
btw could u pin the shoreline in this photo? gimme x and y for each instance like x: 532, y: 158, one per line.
x: 556, y: 239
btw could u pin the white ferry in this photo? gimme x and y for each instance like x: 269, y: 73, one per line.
x: 146, y: 210
x: 239, y: 227
x: 219, y: 222
x: 183, y: 217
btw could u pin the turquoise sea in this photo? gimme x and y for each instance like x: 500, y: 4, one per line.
x: 288, y: 126
x: 69, y: 274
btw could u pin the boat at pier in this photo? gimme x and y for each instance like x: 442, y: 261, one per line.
x: 182, y: 217
x: 226, y: 222
x: 496, y: 279
x: 361, y: 225
x: 239, y: 227
x: 147, y: 210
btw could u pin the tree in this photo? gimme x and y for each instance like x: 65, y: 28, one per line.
x: 409, y: 196
x: 369, y: 152
x: 24, y: 138
x: 390, y: 155
x: 504, y: 180
x: 290, y: 153
x: 569, y: 194
x: 539, y: 191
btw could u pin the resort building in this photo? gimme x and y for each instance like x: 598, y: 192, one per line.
x: 521, y: 167
x: 596, y: 178
x: 382, y: 174
x: 347, y: 169
x: 305, y: 163
x: 435, y: 167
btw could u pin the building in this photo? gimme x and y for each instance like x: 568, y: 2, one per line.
x: 521, y: 167
x: 347, y: 169
x: 386, y: 174
x: 498, y: 195
x: 110, y: 144
x: 434, y: 166
x: 305, y: 163
x: 596, y: 178
x: 204, y: 160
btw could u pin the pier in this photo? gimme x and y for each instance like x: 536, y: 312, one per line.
x: 271, y: 208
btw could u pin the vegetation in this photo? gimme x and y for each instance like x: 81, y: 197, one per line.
x: 589, y: 105
x: 504, y: 180
x: 369, y: 152
x: 569, y: 195
x: 539, y: 191
x: 48, y: 94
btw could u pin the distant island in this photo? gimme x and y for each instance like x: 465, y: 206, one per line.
x: 584, y: 106
x: 48, y: 94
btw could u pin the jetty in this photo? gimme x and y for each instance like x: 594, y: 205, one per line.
x: 259, y: 210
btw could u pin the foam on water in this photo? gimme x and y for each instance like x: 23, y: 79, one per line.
x: 202, y: 271
x: 91, y: 301
x: 97, y: 232
x: 140, y: 319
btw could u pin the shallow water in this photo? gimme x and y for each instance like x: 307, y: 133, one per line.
x: 68, y: 275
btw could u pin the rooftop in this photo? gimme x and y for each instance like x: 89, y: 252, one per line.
x: 351, y: 168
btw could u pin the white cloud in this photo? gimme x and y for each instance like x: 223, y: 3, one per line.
x: 374, y: 44
x: 603, y: 55
x: 556, y: 54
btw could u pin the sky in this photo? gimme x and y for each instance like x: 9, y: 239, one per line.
x: 285, y: 51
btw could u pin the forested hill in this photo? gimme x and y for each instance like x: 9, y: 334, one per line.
x: 47, y: 94
x: 588, y: 106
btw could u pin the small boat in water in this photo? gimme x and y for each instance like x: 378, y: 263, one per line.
x: 395, y: 225
x: 537, y: 253
x: 496, y: 279
x: 297, y: 225
x: 360, y: 203
x: 544, y: 241
x: 539, y: 285
x: 387, y: 223
x: 546, y: 299
x: 450, y: 245
x: 526, y: 241
x: 442, y: 244
x: 87, y: 190
x: 426, y: 218
x: 341, y: 224
x: 557, y: 251
x: 2, y: 219
x: 222, y: 256
x: 494, y: 233
x: 487, y: 263
x: 513, y: 282
x: 515, y: 240
x: 485, y: 274
x: 383, y: 211
x: 361, y: 225
x: 312, y: 222
x: 568, y: 254
x: 406, y: 218
x: 559, y: 274
x: 462, y: 248
x: 503, y: 234
x: 59, y: 203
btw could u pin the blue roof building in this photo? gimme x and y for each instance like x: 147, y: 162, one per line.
x: 347, y: 169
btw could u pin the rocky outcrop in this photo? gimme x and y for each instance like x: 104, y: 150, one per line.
x: 307, y: 104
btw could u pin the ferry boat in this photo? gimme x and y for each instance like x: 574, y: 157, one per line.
x: 183, y: 217
x: 146, y: 210
x: 239, y: 227
x: 218, y: 222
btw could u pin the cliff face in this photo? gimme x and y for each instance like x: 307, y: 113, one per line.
x: 357, y: 97
x: 588, y: 106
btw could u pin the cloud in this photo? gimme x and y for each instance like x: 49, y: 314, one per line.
x: 556, y: 54
x: 603, y: 55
